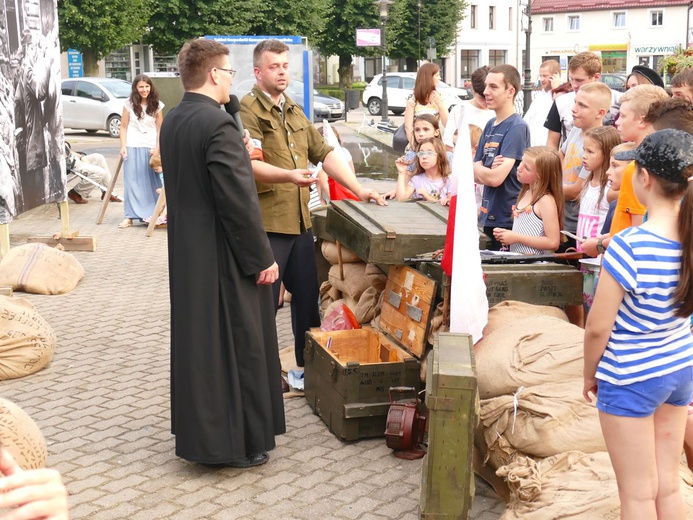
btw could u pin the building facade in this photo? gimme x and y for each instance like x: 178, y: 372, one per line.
x: 624, y: 33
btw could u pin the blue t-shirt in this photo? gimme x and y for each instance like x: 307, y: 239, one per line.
x: 647, y: 340
x: 510, y: 139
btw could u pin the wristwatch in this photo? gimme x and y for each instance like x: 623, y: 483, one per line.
x: 600, y: 246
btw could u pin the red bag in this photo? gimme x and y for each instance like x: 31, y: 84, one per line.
x: 341, y: 318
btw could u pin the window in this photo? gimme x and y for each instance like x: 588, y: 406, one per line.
x: 547, y: 24
x: 67, y: 87
x: 496, y: 57
x: 510, y: 18
x: 657, y: 18
x: 620, y: 20
x: 89, y: 91
x: 408, y: 83
x: 491, y: 17
x: 472, y: 17
x: 469, y: 62
x: 574, y: 22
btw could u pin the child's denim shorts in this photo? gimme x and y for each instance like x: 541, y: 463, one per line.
x: 643, y: 398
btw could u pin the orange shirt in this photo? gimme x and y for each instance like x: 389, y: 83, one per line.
x: 628, y: 204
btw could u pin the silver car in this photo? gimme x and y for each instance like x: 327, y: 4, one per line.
x: 94, y: 104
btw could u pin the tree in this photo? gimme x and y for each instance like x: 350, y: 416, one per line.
x: 438, y: 19
x: 339, y: 35
x: 98, y: 27
x: 173, y: 22
x: 288, y: 17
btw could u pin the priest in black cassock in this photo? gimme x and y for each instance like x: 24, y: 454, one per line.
x: 226, y: 395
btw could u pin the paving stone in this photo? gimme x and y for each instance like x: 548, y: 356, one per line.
x: 103, y: 403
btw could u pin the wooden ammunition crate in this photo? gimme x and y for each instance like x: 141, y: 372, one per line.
x: 447, y: 477
x: 387, y: 234
x: 539, y: 283
x: 348, y: 384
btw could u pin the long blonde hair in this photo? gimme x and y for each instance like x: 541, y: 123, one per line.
x: 549, y: 168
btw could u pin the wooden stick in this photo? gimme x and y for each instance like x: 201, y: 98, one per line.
x: 339, y: 260
x: 107, y: 196
x: 64, y: 219
x: 158, y: 209
x: 4, y: 239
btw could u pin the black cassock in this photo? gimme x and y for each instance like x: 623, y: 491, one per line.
x: 226, y: 396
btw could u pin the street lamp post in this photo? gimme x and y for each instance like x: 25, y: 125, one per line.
x: 383, y: 5
x: 528, y: 73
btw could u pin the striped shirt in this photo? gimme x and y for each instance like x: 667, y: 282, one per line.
x: 647, y: 340
x: 527, y: 222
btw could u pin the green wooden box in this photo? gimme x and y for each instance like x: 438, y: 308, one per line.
x: 539, y: 283
x: 387, y: 234
x: 447, y: 477
x: 348, y: 374
x: 318, y: 218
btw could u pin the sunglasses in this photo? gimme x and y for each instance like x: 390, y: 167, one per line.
x: 425, y: 153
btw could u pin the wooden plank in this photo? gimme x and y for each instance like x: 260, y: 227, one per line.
x: 6, y: 291
x: 158, y: 209
x: 109, y: 191
x: 4, y: 239
x: 69, y: 244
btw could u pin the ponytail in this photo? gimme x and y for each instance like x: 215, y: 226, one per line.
x: 684, y: 292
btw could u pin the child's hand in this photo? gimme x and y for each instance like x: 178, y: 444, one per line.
x: 389, y: 195
x: 504, y: 236
x: 589, y: 247
x: 589, y: 386
x: 497, y: 161
x: 444, y: 201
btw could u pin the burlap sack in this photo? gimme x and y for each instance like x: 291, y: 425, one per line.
x: 329, y: 251
x: 528, y: 352
x: 571, y: 485
x: 27, y: 341
x: 367, y: 306
x: 21, y: 437
x: 510, y: 310
x: 376, y: 278
x: 352, y: 304
x: 39, y: 269
x: 355, y: 281
x: 541, y: 421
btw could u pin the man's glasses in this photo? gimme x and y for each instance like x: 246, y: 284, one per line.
x: 425, y: 153
x: 230, y: 71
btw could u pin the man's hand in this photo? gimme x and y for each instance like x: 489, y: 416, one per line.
x: 497, y: 161
x: 269, y: 275
x: 302, y: 177
x: 367, y: 194
x: 248, y: 142
x: 33, y: 494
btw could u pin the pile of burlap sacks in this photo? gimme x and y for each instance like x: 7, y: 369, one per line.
x: 539, y: 443
x: 352, y: 282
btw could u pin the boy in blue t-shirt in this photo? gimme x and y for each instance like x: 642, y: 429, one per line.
x: 500, y: 150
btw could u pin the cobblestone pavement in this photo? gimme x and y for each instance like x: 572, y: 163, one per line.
x: 103, y: 405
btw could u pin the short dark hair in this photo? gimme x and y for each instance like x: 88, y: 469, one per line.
x: 674, y: 113
x: 683, y: 79
x: 479, y: 80
x: 275, y: 46
x: 511, y: 76
x: 196, y: 58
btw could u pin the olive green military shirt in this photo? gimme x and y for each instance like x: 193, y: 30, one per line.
x: 288, y: 141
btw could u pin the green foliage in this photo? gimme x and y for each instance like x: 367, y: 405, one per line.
x: 339, y: 34
x: 99, y: 27
x: 439, y: 19
x: 287, y: 17
x: 332, y: 91
x: 674, y: 63
x: 173, y: 22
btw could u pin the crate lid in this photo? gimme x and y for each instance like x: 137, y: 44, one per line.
x: 407, y: 305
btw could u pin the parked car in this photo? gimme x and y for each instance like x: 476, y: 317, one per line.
x: 400, y: 85
x: 94, y: 104
x: 614, y: 81
x: 324, y: 107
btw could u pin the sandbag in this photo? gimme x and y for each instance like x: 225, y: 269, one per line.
x: 572, y: 485
x: 367, y: 306
x: 510, y: 310
x: 329, y: 251
x: 39, y: 269
x: 21, y: 437
x: 528, y: 352
x: 27, y: 341
x: 376, y: 278
x: 541, y: 421
x: 355, y: 281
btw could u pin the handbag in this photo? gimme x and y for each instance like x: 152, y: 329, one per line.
x: 399, y: 140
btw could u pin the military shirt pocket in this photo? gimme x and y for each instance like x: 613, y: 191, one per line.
x: 270, y: 130
x: 299, y: 133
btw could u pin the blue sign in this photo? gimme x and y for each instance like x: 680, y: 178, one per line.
x: 254, y: 40
x: 74, y: 64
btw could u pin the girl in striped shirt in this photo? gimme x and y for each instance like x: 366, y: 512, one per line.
x: 539, y: 211
x: 638, y: 343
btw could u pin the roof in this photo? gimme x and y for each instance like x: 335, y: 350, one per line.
x: 564, y: 6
